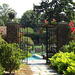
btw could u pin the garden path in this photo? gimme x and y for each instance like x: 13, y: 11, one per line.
x: 40, y: 68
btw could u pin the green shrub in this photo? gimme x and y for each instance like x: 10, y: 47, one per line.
x: 1, y: 70
x: 64, y: 62
x: 32, y: 47
x: 2, y: 40
x: 27, y: 40
x: 69, y: 48
x: 25, y: 54
x: 10, y: 56
x: 27, y: 29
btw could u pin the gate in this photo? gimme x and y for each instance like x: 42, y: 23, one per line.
x: 23, y: 43
x: 51, y: 42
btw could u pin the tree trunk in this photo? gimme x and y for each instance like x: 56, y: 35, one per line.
x: 10, y: 73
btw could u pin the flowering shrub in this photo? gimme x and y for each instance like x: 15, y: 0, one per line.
x: 46, y: 24
x: 54, y: 22
x: 72, y: 30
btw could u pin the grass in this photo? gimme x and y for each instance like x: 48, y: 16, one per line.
x: 38, y: 53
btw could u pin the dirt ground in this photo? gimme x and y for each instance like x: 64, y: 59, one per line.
x: 24, y: 70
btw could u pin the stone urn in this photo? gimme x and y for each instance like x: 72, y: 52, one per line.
x: 11, y: 16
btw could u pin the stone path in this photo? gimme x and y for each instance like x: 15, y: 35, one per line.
x: 39, y: 68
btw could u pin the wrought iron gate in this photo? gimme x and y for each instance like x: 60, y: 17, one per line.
x: 51, y: 42
x: 23, y: 45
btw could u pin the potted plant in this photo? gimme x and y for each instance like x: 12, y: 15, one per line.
x: 33, y: 51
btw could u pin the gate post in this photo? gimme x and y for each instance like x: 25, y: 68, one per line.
x: 62, y: 34
x: 12, y: 30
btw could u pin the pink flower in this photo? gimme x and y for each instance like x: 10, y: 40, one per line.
x: 45, y: 21
x: 18, y: 32
x: 54, y: 19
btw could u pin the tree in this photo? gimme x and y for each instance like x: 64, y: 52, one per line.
x: 4, y: 10
x: 10, y: 56
x: 30, y: 19
x: 53, y: 8
x: 1, y: 22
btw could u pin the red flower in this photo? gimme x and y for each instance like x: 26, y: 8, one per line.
x: 40, y: 32
x: 68, y: 24
x: 45, y: 21
x: 20, y: 25
x: 71, y: 24
x: 19, y: 40
x: 23, y: 33
x: 20, y: 36
x: 5, y: 35
x: 72, y: 29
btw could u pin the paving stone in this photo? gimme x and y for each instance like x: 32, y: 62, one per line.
x: 39, y: 68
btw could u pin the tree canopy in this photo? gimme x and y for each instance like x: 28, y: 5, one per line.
x: 1, y: 22
x: 31, y: 19
x: 4, y: 10
x: 53, y: 8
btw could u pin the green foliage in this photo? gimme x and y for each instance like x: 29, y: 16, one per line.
x: 10, y: 56
x: 29, y: 19
x: 42, y: 47
x: 69, y: 48
x: 2, y: 40
x: 27, y: 40
x: 74, y: 21
x: 1, y: 70
x: 64, y: 62
x: 1, y: 22
x: 32, y: 47
x: 4, y: 10
x: 57, y: 6
x: 27, y: 30
x: 25, y: 54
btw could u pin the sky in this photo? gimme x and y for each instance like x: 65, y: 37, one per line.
x: 21, y: 6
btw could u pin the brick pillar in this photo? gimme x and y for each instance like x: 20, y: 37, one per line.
x: 12, y: 32
x: 62, y: 34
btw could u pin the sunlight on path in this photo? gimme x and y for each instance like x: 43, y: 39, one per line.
x: 39, y: 68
